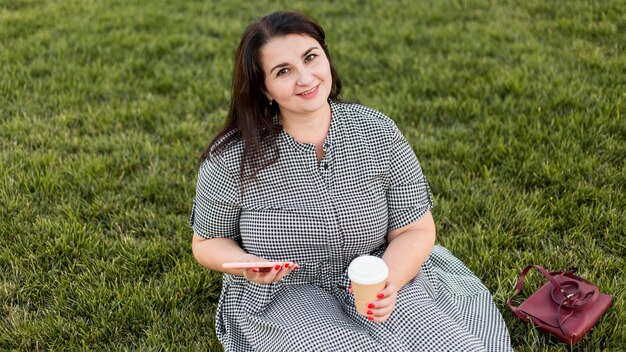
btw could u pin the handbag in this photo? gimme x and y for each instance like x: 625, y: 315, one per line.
x: 567, y: 306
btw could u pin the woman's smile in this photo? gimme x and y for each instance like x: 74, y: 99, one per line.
x: 311, y: 93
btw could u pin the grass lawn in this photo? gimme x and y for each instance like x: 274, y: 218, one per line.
x: 514, y: 108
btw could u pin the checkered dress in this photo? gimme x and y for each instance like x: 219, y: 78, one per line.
x: 321, y: 215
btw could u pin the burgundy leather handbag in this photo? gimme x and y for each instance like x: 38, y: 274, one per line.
x: 567, y: 306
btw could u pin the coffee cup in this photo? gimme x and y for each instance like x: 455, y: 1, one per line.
x: 368, y: 275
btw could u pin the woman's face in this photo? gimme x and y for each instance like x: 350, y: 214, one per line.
x: 297, y: 74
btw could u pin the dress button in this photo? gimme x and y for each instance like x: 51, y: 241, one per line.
x: 326, y: 166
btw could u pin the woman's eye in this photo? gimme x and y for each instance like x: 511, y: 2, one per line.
x: 282, y: 71
x: 310, y: 57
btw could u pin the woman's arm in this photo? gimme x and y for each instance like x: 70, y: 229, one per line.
x: 408, y: 249
x: 212, y: 253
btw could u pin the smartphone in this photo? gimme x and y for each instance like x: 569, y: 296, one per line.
x: 248, y: 265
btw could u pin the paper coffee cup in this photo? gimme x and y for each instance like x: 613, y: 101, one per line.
x: 368, y: 275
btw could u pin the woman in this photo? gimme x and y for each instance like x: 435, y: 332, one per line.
x: 299, y: 177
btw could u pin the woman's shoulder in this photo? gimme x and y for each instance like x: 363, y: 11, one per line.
x: 225, y: 152
x: 360, y: 115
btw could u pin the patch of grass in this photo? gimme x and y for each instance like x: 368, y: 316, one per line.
x: 515, y: 110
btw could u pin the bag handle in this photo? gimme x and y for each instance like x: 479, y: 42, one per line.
x: 557, y: 288
x: 520, y: 283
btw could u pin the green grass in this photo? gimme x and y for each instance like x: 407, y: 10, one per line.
x: 514, y: 108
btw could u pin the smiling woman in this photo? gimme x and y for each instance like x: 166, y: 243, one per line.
x: 307, y: 182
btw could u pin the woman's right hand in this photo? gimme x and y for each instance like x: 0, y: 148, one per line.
x: 213, y: 253
x: 266, y: 275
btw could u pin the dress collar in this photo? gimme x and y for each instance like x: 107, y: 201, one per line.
x: 308, y: 147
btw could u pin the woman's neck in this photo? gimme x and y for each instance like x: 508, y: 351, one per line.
x: 311, y: 128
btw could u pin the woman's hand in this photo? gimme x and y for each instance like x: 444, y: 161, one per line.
x: 380, y: 310
x: 266, y: 275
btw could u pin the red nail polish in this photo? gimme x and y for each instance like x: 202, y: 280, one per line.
x: 370, y: 312
x: 255, y: 270
x: 286, y: 265
x: 277, y: 267
x: 380, y: 295
x: 370, y: 318
x: 349, y: 288
x: 371, y: 305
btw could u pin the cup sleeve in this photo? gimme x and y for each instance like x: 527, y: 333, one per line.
x: 408, y: 194
x: 215, y: 210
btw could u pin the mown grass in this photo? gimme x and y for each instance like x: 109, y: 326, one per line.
x: 514, y: 108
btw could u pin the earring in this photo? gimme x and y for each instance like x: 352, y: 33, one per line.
x: 271, y: 102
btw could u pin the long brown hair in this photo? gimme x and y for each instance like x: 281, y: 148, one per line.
x: 251, y: 117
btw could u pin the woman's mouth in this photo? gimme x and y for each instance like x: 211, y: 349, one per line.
x: 309, y: 93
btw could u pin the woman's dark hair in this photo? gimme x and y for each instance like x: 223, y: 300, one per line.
x: 251, y: 117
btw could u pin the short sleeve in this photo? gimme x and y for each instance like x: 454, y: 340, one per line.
x: 215, y: 210
x: 408, y: 194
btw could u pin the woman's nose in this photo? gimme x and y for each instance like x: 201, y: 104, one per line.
x: 305, y: 78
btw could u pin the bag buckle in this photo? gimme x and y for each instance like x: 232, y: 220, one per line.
x: 567, y: 295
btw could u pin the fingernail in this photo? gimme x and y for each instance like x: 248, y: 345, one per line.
x: 296, y: 266
x: 349, y: 288
x: 370, y: 318
x: 277, y: 267
x: 370, y: 312
x: 380, y: 295
x: 286, y: 265
x: 371, y: 305
x: 255, y: 270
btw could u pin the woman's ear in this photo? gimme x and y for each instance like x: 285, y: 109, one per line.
x: 268, y: 96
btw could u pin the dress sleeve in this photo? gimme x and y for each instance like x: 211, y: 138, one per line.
x: 216, y: 209
x: 408, y: 194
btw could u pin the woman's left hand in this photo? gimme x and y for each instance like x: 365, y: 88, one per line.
x: 380, y: 310
x: 383, y: 307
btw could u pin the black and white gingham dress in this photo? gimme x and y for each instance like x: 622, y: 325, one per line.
x: 322, y: 214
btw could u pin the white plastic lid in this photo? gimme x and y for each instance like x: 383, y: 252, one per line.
x: 368, y: 270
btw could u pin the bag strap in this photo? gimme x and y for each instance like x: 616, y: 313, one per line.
x: 550, y: 277
x: 520, y: 283
x: 576, y: 296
